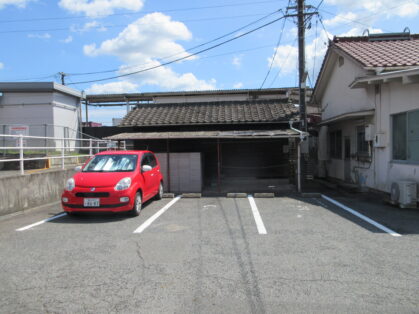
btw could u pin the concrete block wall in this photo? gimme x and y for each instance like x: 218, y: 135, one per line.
x: 18, y: 193
x: 185, y: 172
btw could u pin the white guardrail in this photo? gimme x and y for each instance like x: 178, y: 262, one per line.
x: 60, y: 144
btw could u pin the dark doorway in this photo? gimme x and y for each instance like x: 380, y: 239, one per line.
x: 347, y: 159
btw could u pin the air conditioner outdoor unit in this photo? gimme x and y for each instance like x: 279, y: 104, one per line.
x: 404, y: 193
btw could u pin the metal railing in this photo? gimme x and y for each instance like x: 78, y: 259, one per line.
x: 63, y: 148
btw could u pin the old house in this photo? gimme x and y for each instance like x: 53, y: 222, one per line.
x: 213, y: 141
x: 368, y: 92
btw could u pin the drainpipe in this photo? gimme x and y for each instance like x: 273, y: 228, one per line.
x: 303, y: 135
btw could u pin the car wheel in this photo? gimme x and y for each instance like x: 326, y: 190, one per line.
x: 137, y: 204
x: 72, y: 214
x: 159, y: 194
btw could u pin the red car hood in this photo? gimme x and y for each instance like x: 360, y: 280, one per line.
x: 99, y: 179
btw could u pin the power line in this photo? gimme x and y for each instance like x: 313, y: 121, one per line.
x: 273, y: 58
x: 187, y: 50
x: 315, y: 46
x: 185, y: 57
x: 358, y: 21
x: 33, y: 78
x: 286, y: 59
x: 142, y: 12
x: 58, y: 29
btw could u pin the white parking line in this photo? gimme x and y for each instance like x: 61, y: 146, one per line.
x: 41, y: 222
x: 256, y: 216
x: 150, y: 220
x: 363, y: 217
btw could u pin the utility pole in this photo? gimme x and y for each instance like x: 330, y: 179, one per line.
x: 303, y: 14
x: 62, y: 75
x: 301, y: 64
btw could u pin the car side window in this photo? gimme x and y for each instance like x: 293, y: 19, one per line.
x: 153, y: 162
x: 146, y: 160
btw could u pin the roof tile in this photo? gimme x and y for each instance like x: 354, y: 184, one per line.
x: 226, y: 112
x: 381, y: 53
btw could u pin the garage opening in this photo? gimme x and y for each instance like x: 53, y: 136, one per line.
x: 215, y: 165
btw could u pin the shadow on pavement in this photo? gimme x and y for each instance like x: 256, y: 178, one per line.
x: 403, y: 221
x: 95, y: 217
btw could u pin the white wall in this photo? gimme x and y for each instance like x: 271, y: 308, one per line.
x: 393, y: 98
x: 39, y: 109
x: 66, y: 116
x: 382, y: 171
x: 338, y: 98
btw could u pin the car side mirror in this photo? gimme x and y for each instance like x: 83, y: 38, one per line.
x: 77, y: 169
x: 146, y: 168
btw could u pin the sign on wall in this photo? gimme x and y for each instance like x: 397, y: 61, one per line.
x: 19, y: 130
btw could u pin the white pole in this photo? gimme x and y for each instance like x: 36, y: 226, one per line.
x: 63, y: 154
x: 22, y: 169
x: 299, y: 166
x: 90, y: 147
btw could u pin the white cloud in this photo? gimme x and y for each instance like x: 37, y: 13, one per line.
x: 238, y: 85
x: 141, y: 44
x: 40, y: 36
x: 387, y: 7
x: 97, y: 8
x: 68, y: 40
x: 18, y: 3
x: 1, y: 65
x: 341, y: 19
x: 87, y: 27
x: 359, y: 31
x: 105, y: 114
x: 113, y: 88
x: 286, y: 58
x: 153, y: 35
x: 237, y: 61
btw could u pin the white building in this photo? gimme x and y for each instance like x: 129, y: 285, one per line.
x: 39, y: 109
x: 368, y: 92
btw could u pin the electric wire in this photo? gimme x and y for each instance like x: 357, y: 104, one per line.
x: 280, y: 69
x: 187, y: 50
x: 273, y: 58
x: 315, y: 48
x: 185, y: 57
x: 32, y: 78
x: 142, y: 12
x: 72, y: 28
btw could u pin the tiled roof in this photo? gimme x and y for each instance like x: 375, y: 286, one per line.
x: 210, y: 113
x: 381, y: 53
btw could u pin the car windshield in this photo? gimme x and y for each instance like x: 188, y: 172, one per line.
x: 112, y: 163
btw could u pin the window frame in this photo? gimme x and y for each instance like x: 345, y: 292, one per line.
x: 407, y: 160
x: 362, y: 154
x: 335, y: 146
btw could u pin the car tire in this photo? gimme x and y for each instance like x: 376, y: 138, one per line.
x: 138, y: 202
x: 72, y: 214
x: 159, y: 194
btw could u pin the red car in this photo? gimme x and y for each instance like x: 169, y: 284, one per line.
x: 114, y: 181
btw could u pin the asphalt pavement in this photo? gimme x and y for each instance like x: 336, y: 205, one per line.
x: 207, y: 255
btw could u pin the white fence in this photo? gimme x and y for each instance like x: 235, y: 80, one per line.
x: 68, y: 148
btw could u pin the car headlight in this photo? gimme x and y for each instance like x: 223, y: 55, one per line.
x: 70, y: 185
x: 123, y: 184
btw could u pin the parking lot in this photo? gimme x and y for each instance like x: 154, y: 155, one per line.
x: 213, y: 255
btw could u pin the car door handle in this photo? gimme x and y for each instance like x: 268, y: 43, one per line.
x: 151, y: 174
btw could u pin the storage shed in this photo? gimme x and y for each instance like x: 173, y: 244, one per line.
x: 243, y: 145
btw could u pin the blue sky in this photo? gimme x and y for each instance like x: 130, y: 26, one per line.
x: 41, y: 38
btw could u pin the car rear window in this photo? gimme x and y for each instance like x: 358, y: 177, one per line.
x: 112, y: 163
